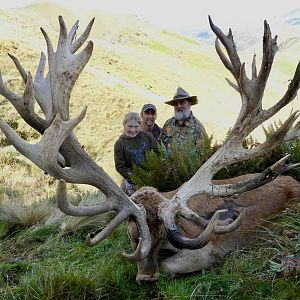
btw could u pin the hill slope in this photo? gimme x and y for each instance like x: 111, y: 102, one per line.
x: 133, y: 63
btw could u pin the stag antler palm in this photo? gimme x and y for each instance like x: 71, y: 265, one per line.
x: 59, y: 147
x: 232, y: 151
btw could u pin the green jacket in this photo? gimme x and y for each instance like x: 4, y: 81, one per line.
x: 129, y: 151
x: 172, y: 132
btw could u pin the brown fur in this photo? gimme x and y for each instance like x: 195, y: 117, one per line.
x: 257, y: 204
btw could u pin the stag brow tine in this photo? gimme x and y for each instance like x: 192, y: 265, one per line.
x: 136, y: 255
x: 189, y: 214
x: 65, y: 206
x: 115, y: 222
x: 19, y: 67
x: 205, y: 236
x: 232, y: 226
x: 83, y: 37
x: 180, y: 241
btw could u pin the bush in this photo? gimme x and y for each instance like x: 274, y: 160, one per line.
x: 169, y: 170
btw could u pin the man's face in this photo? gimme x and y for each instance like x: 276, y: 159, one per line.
x: 182, y: 109
x: 149, y: 117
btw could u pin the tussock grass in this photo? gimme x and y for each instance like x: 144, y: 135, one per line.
x: 15, y: 214
x: 69, y: 224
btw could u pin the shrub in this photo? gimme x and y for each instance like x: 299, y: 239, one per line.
x: 169, y: 170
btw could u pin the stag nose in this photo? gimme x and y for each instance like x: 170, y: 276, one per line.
x: 146, y: 279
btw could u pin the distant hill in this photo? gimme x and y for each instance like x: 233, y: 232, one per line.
x: 133, y: 62
x: 287, y: 27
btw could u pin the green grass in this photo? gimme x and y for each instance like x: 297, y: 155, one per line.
x: 180, y: 37
x: 157, y: 46
x: 37, y: 263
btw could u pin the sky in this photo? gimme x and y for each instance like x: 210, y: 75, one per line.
x: 186, y: 14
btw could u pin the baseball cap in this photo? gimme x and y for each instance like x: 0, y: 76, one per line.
x: 148, y: 106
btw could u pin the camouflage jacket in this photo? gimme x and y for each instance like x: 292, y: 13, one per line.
x: 172, y: 132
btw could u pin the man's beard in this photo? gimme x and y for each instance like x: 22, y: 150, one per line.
x: 182, y: 115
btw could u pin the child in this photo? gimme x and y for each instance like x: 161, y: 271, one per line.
x: 131, y: 148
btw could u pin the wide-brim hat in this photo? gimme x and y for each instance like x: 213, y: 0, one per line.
x: 180, y: 95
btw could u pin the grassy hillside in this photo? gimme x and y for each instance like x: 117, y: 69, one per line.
x: 133, y: 63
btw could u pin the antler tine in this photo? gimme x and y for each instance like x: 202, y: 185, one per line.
x: 263, y: 178
x: 269, y: 50
x: 65, y: 206
x: 232, y: 226
x: 290, y: 94
x: 25, y: 104
x: 110, y: 204
x: 227, y: 41
x: 43, y: 91
x: 223, y: 58
x: 7, y: 93
x: 19, y: 67
x: 254, y: 69
x: 72, y: 33
x: 77, y: 44
x: 179, y: 241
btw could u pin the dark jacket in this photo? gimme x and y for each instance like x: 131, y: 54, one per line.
x: 156, y: 131
x: 129, y: 151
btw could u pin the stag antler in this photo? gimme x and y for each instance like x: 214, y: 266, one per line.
x: 232, y: 151
x: 59, y: 147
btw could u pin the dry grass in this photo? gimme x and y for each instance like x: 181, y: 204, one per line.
x: 69, y: 224
x: 15, y: 214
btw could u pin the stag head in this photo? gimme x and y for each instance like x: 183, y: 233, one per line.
x: 60, y: 154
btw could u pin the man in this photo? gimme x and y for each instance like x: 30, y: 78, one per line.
x: 148, y: 115
x: 183, y: 124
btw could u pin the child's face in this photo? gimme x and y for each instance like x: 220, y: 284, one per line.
x: 132, y: 128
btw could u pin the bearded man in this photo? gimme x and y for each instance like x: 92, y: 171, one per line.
x: 183, y: 125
